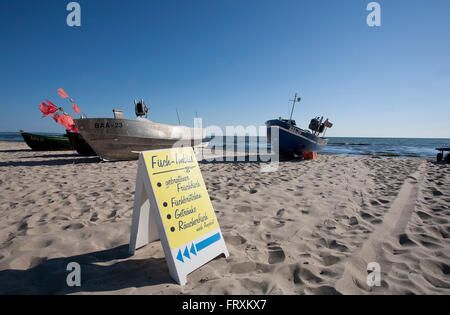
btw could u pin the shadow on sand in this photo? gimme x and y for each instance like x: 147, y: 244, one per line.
x: 51, y: 162
x: 99, y: 273
x: 247, y: 158
x: 16, y: 151
x: 49, y: 156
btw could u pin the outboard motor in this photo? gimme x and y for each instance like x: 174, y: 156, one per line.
x: 321, y: 128
x: 315, y: 125
x: 140, y: 108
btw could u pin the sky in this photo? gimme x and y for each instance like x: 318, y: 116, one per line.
x: 234, y: 62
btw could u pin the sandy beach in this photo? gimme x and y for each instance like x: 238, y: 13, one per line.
x: 309, y: 228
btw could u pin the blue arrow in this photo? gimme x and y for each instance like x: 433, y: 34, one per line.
x: 186, y: 253
x: 193, y: 250
x: 207, y: 242
x: 180, y: 257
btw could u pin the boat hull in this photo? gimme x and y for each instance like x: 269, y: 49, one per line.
x: 293, y: 140
x: 122, y: 139
x: 79, y: 144
x: 46, y: 143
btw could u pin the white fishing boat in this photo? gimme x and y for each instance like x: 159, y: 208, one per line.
x: 119, y: 139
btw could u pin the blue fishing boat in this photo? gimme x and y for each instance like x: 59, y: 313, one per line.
x: 294, y: 141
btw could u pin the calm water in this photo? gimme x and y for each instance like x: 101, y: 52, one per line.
x: 401, y: 147
x: 421, y: 148
x: 424, y: 148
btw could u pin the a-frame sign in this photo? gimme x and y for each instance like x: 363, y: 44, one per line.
x: 172, y: 205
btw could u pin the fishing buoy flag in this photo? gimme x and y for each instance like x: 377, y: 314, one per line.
x: 62, y: 93
x: 172, y: 205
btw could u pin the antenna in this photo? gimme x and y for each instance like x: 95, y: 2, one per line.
x: 296, y: 99
x: 179, y: 121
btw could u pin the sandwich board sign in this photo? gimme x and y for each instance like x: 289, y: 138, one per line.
x: 172, y: 205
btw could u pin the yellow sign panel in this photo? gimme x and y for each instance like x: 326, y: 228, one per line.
x: 181, y: 195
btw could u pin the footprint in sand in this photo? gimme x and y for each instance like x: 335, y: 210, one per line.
x: 423, y: 215
x: 444, y: 231
x: 435, y: 272
x: 429, y: 244
x: 333, y: 244
x: 74, y: 226
x: 42, y: 218
x: 267, y: 236
x: 353, y: 221
x: 22, y: 229
x: 303, y: 275
x: 404, y: 240
x: 235, y: 240
x: 46, y: 243
x: 329, y: 274
x: 376, y: 221
x: 280, y: 212
x: 112, y: 214
x: 400, y: 251
x: 445, y: 269
x: 329, y: 260
x: 276, y: 253
x: 94, y: 217
x: 436, y: 192
x: 366, y: 215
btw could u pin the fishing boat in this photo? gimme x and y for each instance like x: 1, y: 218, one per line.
x: 294, y: 141
x: 46, y: 143
x: 79, y: 144
x: 119, y: 139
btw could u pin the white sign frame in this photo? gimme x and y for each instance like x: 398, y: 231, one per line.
x: 147, y: 227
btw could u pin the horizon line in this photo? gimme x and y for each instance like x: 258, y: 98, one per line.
x: 358, y: 137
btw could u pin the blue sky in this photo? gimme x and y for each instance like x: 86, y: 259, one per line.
x: 235, y: 62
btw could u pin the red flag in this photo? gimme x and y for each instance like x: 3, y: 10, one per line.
x: 74, y: 128
x: 62, y: 93
x: 76, y: 109
x: 66, y: 121
x: 47, y: 109
x: 51, y: 104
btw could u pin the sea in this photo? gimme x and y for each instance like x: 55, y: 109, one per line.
x: 383, y: 147
x: 17, y: 137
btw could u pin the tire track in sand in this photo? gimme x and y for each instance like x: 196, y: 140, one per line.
x: 390, y: 232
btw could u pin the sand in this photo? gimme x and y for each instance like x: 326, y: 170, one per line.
x: 309, y: 228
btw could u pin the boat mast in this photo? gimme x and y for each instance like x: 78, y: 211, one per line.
x: 296, y: 99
